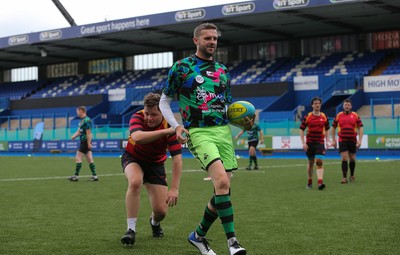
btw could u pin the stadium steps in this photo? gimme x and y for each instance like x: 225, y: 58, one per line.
x: 62, y: 122
x: 383, y: 65
x: 382, y: 110
x: 329, y: 107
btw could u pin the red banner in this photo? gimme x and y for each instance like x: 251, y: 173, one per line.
x: 386, y: 40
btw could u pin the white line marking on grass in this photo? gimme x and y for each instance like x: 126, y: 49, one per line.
x: 184, y: 171
x: 51, y: 178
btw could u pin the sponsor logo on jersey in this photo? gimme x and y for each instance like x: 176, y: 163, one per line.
x: 199, y: 79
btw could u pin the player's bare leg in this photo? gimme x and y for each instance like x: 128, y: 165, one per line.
x: 320, y: 174
x: 134, y: 176
x: 158, y: 198
x: 78, y: 166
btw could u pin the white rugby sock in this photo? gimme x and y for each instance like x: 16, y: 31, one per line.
x: 153, y: 222
x: 131, y: 223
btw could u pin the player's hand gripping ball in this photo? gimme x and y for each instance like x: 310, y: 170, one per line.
x: 242, y: 114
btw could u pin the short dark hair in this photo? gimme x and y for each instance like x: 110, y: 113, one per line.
x: 151, y: 100
x: 316, y: 98
x: 199, y: 28
x: 81, y: 108
x: 347, y: 100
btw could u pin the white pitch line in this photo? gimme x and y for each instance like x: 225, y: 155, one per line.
x: 50, y: 178
x: 184, y: 171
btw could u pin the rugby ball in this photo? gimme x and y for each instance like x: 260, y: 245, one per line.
x: 241, y: 114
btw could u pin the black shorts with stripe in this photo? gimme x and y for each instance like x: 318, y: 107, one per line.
x: 83, y: 147
x: 349, y: 146
x: 253, y: 144
x: 152, y: 173
x: 315, y: 150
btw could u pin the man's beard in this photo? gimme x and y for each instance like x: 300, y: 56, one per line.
x: 207, y: 53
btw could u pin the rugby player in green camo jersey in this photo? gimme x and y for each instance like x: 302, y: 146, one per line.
x: 202, y: 86
x: 85, y: 147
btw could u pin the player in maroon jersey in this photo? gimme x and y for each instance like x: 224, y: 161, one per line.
x: 317, y: 125
x: 347, y: 122
x: 143, y: 163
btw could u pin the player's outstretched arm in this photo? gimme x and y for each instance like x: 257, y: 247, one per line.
x: 181, y: 134
x: 144, y: 137
x: 173, y: 193
x: 303, y: 142
x: 77, y: 133
x: 333, y: 143
x: 89, y: 138
x: 360, y: 136
x: 165, y: 108
x: 239, y: 134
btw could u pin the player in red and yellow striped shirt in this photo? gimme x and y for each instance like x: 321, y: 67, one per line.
x: 317, y: 125
x: 347, y: 122
x: 143, y: 164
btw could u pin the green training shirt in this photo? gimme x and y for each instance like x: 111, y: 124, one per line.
x: 203, y: 90
x: 84, y: 125
x: 252, y: 134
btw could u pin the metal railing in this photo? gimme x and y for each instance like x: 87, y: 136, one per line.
x: 391, y: 101
x: 284, y: 127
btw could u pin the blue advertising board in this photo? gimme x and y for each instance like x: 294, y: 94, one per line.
x: 20, y: 145
x: 66, y: 145
x: 162, y: 19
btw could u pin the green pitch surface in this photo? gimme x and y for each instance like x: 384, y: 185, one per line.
x: 42, y: 213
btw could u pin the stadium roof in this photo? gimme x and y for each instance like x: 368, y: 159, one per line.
x: 247, y: 22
